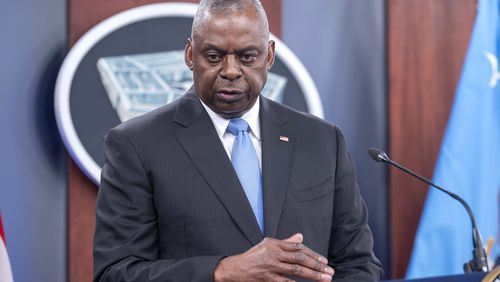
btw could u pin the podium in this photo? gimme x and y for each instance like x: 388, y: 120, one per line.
x: 468, y: 277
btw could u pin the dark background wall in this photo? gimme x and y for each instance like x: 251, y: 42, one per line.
x: 33, y: 169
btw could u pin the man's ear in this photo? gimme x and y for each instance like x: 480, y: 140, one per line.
x: 188, y: 53
x: 270, y: 54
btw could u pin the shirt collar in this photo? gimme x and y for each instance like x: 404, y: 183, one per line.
x: 251, y: 117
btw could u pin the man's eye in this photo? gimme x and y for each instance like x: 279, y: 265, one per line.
x: 248, y: 58
x: 214, y: 58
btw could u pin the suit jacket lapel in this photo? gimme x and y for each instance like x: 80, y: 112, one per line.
x: 201, y: 142
x: 277, y: 150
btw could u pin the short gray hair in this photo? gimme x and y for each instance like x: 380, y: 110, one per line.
x: 222, y: 6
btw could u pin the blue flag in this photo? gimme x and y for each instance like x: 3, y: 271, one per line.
x: 468, y: 162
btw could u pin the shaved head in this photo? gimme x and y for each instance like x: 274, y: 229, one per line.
x: 210, y: 7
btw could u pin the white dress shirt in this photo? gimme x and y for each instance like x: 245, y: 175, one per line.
x: 227, y: 138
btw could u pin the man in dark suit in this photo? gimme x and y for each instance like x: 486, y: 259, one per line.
x: 226, y: 185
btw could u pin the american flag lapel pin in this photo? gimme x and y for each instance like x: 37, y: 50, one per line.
x: 284, y: 138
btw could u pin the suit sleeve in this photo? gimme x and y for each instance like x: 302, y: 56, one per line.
x: 351, y: 242
x: 126, y: 235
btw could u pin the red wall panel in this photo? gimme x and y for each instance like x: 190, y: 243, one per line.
x: 427, y: 41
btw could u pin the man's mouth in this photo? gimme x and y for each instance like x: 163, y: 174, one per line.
x: 229, y: 95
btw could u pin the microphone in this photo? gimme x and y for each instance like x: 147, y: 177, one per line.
x: 479, y: 262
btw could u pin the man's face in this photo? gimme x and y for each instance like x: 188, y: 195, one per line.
x: 230, y: 56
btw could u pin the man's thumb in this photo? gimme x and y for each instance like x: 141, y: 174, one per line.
x: 296, y: 238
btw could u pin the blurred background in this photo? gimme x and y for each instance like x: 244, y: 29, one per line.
x: 386, y: 72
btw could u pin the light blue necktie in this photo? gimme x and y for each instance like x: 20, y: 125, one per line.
x: 246, y: 165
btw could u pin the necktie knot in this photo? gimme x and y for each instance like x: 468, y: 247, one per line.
x: 237, y: 125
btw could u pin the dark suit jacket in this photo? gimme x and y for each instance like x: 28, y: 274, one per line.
x: 170, y: 205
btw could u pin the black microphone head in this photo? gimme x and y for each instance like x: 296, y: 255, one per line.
x: 378, y: 155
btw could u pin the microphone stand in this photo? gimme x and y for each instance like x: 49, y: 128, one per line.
x: 479, y: 262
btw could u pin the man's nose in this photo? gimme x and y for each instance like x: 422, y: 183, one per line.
x: 231, y: 68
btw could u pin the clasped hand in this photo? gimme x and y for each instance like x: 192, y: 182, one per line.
x: 275, y: 260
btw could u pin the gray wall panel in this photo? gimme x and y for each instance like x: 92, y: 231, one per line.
x: 342, y: 44
x: 33, y: 162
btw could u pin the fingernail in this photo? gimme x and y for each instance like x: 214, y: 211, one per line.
x: 323, y: 260
x: 329, y: 270
x: 325, y: 277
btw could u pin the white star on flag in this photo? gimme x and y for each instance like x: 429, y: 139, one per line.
x: 495, y: 73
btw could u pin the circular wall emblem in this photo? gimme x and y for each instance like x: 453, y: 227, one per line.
x: 132, y: 63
